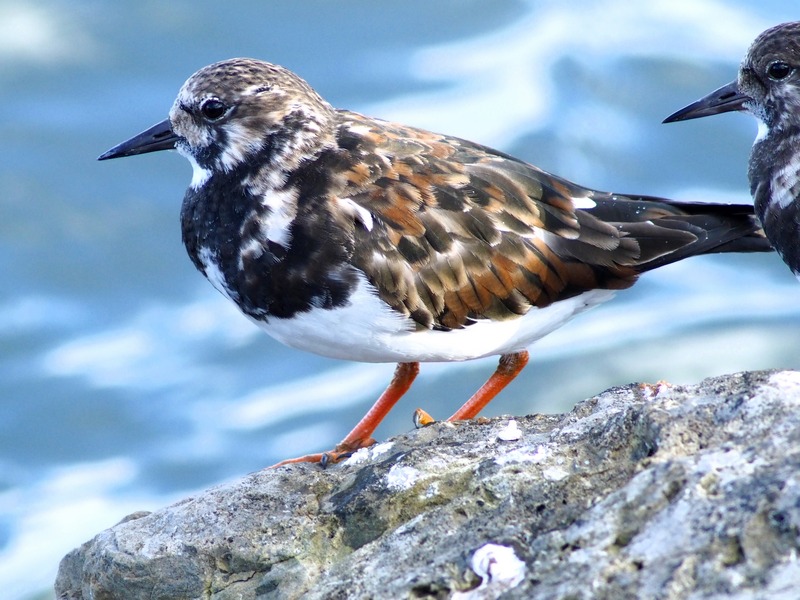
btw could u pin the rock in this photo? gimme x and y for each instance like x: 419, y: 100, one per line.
x: 648, y: 491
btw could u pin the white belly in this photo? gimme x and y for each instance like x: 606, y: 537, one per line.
x: 367, y: 330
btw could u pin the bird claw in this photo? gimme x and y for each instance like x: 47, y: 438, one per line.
x: 342, y: 451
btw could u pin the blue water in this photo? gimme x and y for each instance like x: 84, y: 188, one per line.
x: 128, y: 382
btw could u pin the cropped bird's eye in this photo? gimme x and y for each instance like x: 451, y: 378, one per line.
x: 779, y: 70
x: 212, y: 109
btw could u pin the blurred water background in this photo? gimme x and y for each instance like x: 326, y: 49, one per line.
x: 127, y: 382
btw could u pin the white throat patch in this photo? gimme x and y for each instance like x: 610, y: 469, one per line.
x: 763, y: 131
x: 199, y: 174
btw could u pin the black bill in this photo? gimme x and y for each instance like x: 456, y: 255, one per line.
x: 724, y: 99
x: 158, y: 137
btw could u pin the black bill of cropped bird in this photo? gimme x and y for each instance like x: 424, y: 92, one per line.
x: 366, y: 240
x: 768, y: 87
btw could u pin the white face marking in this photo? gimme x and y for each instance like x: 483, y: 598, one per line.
x: 253, y: 90
x: 199, y: 174
x: 367, y: 330
x: 763, y: 131
x: 183, y: 125
x: 785, y: 183
x: 240, y: 142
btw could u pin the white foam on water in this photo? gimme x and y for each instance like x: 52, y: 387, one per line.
x: 501, y: 84
x: 156, y: 349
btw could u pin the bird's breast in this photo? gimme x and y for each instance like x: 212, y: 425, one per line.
x: 270, y: 253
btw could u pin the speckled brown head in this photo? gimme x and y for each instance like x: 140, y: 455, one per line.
x: 231, y: 111
x: 770, y: 75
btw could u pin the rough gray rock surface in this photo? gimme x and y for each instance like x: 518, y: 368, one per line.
x: 645, y: 491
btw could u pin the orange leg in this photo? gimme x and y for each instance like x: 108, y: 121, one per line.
x: 509, y: 367
x: 361, y: 435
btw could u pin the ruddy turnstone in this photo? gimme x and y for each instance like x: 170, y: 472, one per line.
x: 768, y: 86
x: 367, y: 240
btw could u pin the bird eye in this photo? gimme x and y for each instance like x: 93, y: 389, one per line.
x: 779, y: 70
x: 212, y: 109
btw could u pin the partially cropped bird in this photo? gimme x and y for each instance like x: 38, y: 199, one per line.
x: 367, y: 240
x: 768, y: 86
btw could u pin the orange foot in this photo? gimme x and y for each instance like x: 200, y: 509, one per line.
x: 361, y: 436
x: 342, y: 451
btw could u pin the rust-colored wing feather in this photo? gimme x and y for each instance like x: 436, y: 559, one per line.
x: 458, y: 232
